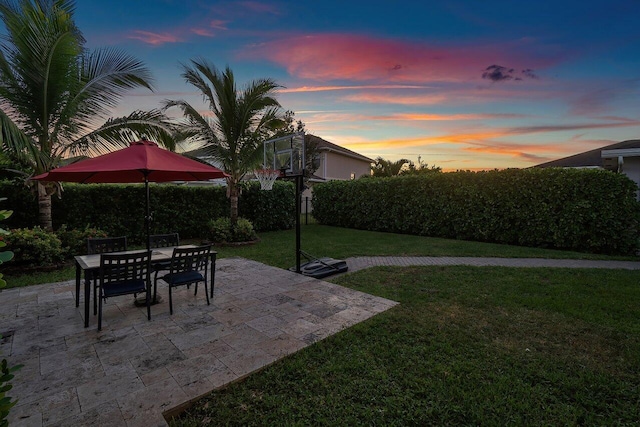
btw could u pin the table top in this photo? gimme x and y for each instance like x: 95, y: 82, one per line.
x: 90, y: 262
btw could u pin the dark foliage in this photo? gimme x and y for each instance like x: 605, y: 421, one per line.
x: 118, y: 209
x: 583, y: 210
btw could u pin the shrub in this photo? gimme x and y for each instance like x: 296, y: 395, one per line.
x: 35, y: 247
x: 583, y: 210
x: 221, y: 231
x: 119, y: 209
x: 74, y: 242
x: 6, y: 371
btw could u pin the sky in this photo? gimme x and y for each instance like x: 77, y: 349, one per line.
x: 460, y: 84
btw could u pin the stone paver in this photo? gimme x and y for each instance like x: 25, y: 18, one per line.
x: 359, y: 263
x: 134, y: 370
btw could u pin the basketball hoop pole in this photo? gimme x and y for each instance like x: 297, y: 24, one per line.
x: 287, y: 155
x: 299, y: 184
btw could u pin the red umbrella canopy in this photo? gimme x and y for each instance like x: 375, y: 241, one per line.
x: 132, y: 164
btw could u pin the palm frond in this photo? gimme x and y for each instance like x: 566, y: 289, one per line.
x: 119, y: 132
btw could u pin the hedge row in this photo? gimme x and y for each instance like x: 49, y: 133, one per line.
x: 583, y: 210
x: 119, y: 209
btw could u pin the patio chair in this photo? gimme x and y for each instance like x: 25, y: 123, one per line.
x: 162, y: 241
x: 124, y: 274
x: 102, y: 245
x: 185, y: 269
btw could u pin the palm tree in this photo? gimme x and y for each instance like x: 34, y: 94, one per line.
x: 383, y: 167
x: 238, y: 123
x: 54, y: 94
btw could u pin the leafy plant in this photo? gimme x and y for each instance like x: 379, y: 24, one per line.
x: 35, y: 247
x: 221, y: 230
x: 6, y: 372
x: 74, y: 241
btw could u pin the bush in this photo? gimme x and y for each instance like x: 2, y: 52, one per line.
x: 74, y: 242
x: 221, y: 231
x: 575, y: 209
x: 119, y: 209
x: 35, y: 247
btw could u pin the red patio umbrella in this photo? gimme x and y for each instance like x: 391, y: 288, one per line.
x: 142, y: 161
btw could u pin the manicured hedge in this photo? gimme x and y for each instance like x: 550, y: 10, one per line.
x: 118, y: 209
x: 584, y: 210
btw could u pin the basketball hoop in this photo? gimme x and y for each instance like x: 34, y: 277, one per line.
x: 266, y: 177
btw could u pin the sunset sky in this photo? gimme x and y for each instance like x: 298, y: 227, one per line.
x: 463, y: 84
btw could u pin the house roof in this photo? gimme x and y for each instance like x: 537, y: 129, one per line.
x: 589, y: 158
x: 324, y: 145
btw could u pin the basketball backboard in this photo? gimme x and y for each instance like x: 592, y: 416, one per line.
x: 285, y: 154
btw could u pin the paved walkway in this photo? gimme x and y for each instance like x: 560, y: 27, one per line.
x: 359, y: 263
x: 135, y: 370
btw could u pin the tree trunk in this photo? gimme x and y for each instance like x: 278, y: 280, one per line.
x: 44, y: 207
x: 233, y: 197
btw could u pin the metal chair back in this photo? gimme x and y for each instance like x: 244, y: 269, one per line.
x: 124, y: 274
x: 103, y: 245
x: 164, y: 240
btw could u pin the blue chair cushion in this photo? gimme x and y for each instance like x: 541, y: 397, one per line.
x: 183, y: 278
x: 124, y: 287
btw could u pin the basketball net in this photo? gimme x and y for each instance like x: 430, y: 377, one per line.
x: 266, y: 177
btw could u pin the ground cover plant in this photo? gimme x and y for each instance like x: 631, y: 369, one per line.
x: 466, y: 346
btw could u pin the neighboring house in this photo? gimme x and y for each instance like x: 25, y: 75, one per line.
x: 336, y: 162
x: 623, y: 157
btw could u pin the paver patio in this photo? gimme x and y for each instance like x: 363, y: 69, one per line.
x: 134, y: 370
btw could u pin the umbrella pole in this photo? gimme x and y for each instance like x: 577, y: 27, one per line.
x: 147, y: 218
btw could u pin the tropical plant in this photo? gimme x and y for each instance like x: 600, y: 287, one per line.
x: 54, y: 93
x: 420, y: 169
x: 220, y: 230
x: 6, y: 372
x: 239, y: 121
x: 383, y: 167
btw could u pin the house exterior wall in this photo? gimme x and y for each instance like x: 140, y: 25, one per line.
x: 337, y: 166
x: 631, y: 168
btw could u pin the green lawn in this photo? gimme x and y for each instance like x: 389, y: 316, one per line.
x: 466, y: 346
x: 278, y: 249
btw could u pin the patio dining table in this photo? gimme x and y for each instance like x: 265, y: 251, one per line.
x: 90, y: 263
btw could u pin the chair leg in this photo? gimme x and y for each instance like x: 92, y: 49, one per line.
x: 155, y: 287
x: 170, y: 300
x: 99, y: 313
x: 148, y: 293
x: 213, y: 273
x: 95, y: 293
x: 206, y: 292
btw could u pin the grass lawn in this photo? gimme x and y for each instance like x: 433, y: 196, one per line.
x: 277, y: 248
x: 467, y: 345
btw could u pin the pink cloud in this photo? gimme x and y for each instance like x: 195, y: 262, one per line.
x: 155, y: 39
x: 488, y: 141
x: 305, y: 89
x: 447, y: 117
x: 204, y: 32
x: 327, y: 57
x: 218, y: 24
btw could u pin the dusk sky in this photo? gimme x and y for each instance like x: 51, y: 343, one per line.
x: 463, y: 84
